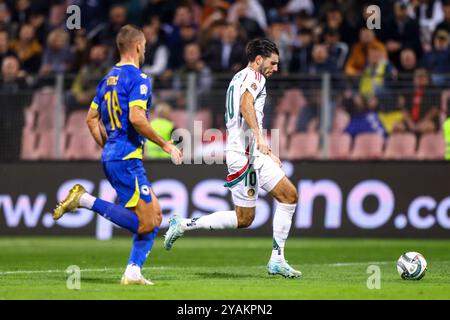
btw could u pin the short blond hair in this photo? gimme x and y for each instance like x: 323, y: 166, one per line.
x: 127, y: 35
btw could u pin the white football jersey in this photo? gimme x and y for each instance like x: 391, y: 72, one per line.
x: 239, y: 135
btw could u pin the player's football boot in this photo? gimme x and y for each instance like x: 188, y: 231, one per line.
x: 133, y: 276
x: 282, y: 268
x: 173, y: 233
x: 70, y: 203
x: 126, y: 281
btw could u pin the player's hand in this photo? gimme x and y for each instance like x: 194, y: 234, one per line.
x: 276, y: 159
x: 175, y: 153
x: 263, y: 147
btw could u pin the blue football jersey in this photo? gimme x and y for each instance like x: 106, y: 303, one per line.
x: 124, y: 86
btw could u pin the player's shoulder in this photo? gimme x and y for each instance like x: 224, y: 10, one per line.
x: 137, y: 74
x: 253, y: 76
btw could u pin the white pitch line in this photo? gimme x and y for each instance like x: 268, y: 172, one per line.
x: 343, y: 264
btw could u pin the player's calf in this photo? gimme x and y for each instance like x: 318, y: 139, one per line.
x: 245, y: 216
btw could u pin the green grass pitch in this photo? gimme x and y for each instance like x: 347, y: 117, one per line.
x: 219, y: 268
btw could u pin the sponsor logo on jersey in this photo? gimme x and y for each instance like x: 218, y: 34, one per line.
x: 112, y: 80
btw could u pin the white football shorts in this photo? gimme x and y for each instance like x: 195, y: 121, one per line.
x: 247, y: 174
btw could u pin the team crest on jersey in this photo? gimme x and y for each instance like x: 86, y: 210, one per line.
x: 144, y: 89
x: 145, y: 190
x: 254, y: 86
x: 251, y: 192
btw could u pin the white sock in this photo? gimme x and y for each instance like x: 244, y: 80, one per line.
x: 282, y: 221
x: 87, y: 201
x: 133, y: 271
x: 215, y: 221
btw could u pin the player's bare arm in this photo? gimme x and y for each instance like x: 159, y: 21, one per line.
x: 140, y: 122
x: 249, y: 115
x: 96, y: 128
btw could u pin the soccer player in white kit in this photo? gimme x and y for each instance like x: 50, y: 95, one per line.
x: 251, y: 164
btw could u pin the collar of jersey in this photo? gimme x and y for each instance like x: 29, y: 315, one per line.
x: 125, y: 64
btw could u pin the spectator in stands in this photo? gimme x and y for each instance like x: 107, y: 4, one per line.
x: 28, y: 49
x: 364, y: 117
x: 94, y: 14
x: 57, y: 56
x: 378, y: 75
x: 398, y: 31
x: 5, y: 20
x: 445, y: 24
x: 408, y: 63
x: 429, y: 13
x: 420, y: 106
x: 21, y: 12
x: 5, y: 51
x: 163, y: 9
x: 437, y: 61
x: 214, y: 12
x: 38, y: 21
x: 334, y: 19
x: 245, y: 13
x: 57, y: 17
x: 358, y: 56
x: 14, y: 97
x: 156, y: 51
x: 321, y: 62
x: 193, y: 64
x: 302, y: 54
x: 183, y: 31
x: 162, y: 124
x: 117, y: 19
x: 337, y: 49
x: 84, y: 87
x: 80, y: 50
x: 226, y: 54
x: 279, y: 33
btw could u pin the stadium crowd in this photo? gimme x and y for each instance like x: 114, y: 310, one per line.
x: 396, y: 73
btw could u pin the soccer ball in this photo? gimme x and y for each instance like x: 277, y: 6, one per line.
x: 411, y: 266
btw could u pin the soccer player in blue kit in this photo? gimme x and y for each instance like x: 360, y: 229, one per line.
x: 118, y: 121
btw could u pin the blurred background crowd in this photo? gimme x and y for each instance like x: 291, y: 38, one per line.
x: 386, y: 95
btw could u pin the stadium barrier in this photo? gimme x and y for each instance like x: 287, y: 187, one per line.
x: 337, y: 199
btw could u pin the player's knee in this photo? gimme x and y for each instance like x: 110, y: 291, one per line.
x: 158, y: 218
x: 146, y: 228
x: 291, y: 196
x: 148, y: 225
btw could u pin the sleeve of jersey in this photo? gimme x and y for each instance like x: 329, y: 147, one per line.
x: 140, y: 94
x: 96, y: 101
x: 254, y: 83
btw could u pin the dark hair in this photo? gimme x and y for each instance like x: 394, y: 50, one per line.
x: 262, y: 47
x: 127, y: 35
